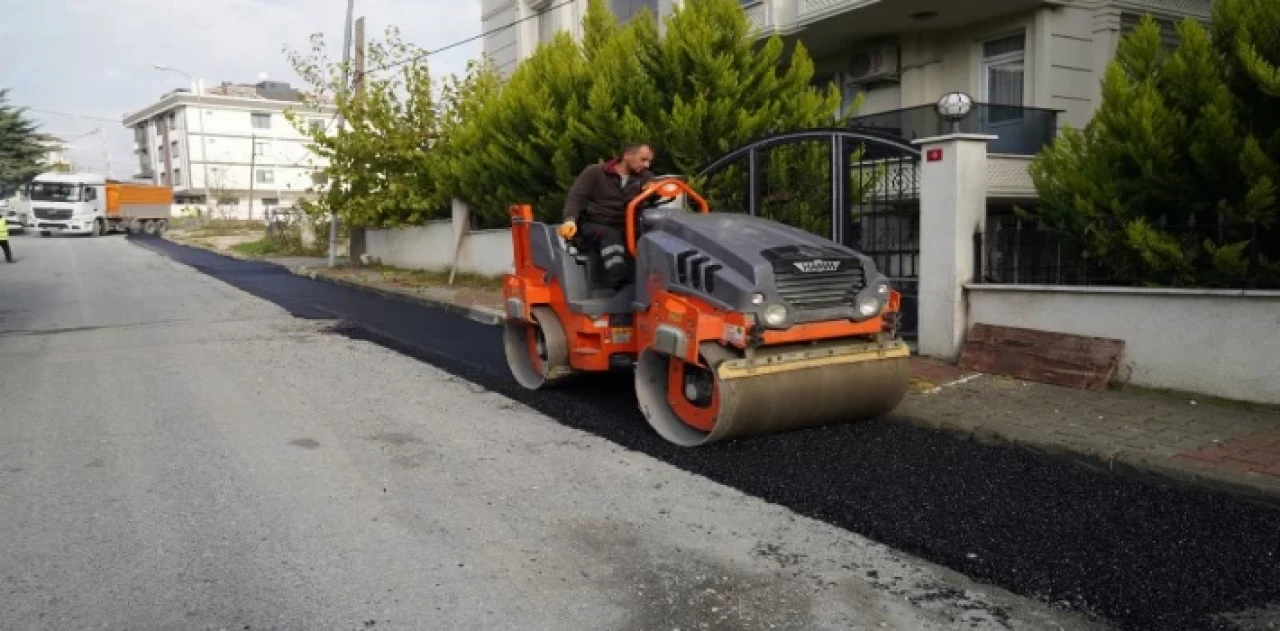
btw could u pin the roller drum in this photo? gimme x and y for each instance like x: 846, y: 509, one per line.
x: 776, y: 401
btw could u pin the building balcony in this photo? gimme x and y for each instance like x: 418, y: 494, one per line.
x: 828, y: 26
x: 1020, y: 131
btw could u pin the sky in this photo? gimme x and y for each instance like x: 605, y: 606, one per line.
x: 94, y: 58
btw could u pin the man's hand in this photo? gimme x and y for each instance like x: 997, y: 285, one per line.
x: 568, y: 229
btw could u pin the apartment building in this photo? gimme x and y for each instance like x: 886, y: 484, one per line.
x: 230, y: 142
x: 1032, y: 66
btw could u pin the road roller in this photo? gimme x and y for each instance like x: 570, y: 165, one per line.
x: 735, y: 326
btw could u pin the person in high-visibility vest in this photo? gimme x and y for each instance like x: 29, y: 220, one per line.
x: 4, y: 239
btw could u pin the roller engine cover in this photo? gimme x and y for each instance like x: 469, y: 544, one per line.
x: 727, y: 258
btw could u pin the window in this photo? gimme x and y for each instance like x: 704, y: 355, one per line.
x: 90, y: 193
x: 270, y: 201
x: 173, y: 148
x: 627, y: 9
x: 177, y: 177
x: 260, y: 121
x: 317, y: 124
x: 265, y: 176
x: 260, y: 148
x: 1003, y: 76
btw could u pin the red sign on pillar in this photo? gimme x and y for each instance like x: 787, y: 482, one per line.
x: 933, y: 155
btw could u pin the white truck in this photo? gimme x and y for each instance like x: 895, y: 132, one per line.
x: 88, y: 203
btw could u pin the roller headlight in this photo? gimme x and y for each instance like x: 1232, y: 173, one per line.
x: 882, y: 290
x: 775, y: 315
x: 869, y: 305
x: 757, y: 299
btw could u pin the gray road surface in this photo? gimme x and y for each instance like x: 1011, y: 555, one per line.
x: 176, y: 454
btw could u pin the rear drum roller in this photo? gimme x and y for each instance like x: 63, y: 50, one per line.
x: 537, y: 352
x: 691, y: 405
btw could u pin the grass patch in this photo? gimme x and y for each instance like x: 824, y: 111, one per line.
x: 225, y: 228
x: 271, y: 246
x: 437, y: 278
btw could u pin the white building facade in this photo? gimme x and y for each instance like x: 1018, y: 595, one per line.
x: 1031, y: 65
x: 231, y: 143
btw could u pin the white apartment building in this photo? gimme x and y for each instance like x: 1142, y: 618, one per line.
x: 232, y: 142
x: 1031, y: 65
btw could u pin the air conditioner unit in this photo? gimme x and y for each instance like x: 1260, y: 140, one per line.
x: 877, y: 63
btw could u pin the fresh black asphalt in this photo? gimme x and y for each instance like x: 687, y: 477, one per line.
x: 1139, y: 555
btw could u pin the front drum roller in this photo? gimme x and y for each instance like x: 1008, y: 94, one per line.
x: 537, y: 352
x: 693, y: 405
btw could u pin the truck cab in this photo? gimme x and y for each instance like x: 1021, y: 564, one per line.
x: 69, y: 203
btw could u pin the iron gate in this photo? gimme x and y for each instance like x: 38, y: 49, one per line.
x: 872, y: 207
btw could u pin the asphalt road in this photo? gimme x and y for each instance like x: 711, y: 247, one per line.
x: 176, y: 453
x: 1140, y: 556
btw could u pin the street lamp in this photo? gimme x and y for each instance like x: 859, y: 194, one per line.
x: 953, y: 107
x: 204, y: 157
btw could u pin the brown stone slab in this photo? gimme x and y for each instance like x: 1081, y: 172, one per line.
x: 1063, y: 359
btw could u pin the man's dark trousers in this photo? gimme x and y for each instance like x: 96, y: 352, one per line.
x: 8, y: 254
x: 609, y: 241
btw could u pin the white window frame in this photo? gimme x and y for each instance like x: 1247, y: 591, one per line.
x: 986, y: 63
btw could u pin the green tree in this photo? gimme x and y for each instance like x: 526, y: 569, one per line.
x: 1181, y: 137
x: 704, y: 88
x: 21, y: 149
x: 379, y: 171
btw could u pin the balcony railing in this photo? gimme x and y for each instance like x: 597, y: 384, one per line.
x: 1022, y: 131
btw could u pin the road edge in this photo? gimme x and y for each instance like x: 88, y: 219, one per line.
x: 483, y: 315
x: 1122, y: 462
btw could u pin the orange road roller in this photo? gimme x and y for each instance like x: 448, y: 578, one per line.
x: 735, y: 325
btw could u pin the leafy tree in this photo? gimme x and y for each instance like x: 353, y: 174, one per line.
x: 21, y: 149
x: 1182, y: 137
x: 380, y: 171
x: 704, y: 88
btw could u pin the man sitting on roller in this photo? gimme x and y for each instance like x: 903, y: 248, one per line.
x: 598, y: 199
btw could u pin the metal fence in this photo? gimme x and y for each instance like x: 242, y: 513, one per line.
x: 1209, y: 254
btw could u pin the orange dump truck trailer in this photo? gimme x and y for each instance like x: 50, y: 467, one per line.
x: 138, y: 207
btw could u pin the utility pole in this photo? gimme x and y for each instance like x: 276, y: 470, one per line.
x: 346, y: 84
x: 253, y: 154
x: 358, y: 80
x: 356, y: 234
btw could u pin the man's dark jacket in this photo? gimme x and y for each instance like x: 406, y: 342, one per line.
x: 599, y: 196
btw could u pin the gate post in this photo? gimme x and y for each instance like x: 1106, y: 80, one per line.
x: 953, y: 204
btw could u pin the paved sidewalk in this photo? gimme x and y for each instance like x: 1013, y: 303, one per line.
x: 1167, y: 438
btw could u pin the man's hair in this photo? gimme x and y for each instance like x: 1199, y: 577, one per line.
x: 633, y: 147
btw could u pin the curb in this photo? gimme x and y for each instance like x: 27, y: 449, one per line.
x: 1121, y: 462
x: 483, y: 315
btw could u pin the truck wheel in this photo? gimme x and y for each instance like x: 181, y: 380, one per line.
x: 99, y: 227
x: 44, y: 233
x: 162, y: 226
x: 149, y: 227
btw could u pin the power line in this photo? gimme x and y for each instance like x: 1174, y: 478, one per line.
x: 84, y: 116
x: 471, y: 39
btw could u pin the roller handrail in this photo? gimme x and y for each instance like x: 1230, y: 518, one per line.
x: 667, y: 188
